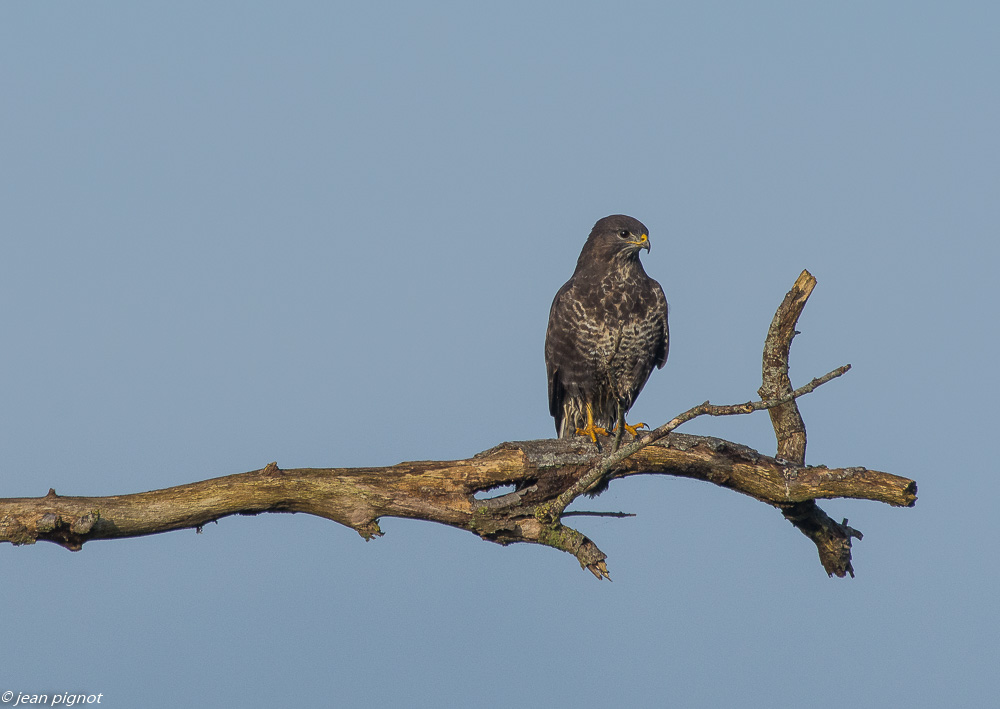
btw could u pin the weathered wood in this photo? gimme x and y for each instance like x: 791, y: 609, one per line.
x: 788, y: 425
x: 832, y: 539
x: 439, y: 491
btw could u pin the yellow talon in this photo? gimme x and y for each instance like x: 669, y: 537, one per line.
x: 634, y: 430
x: 590, y: 429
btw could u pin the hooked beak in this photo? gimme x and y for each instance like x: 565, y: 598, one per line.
x: 642, y: 243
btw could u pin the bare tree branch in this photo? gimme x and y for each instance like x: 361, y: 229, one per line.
x: 439, y: 491
x: 789, y: 428
x: 833, y: 540
x: 548, y: 476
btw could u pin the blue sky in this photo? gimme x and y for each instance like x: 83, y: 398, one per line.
x: 329, y: 234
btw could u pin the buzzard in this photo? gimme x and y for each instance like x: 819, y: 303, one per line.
x: 607, y: 330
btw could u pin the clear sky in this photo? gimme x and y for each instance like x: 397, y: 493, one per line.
x: 328, y: 234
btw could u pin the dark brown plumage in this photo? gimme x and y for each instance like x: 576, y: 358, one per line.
x: 607, y: 330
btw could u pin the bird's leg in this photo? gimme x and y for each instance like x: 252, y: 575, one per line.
x: 591, y: 430
x: 619, y: 427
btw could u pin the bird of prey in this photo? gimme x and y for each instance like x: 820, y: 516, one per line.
x: 607, y: 330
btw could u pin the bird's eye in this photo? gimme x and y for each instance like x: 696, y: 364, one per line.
x: 623, y: 233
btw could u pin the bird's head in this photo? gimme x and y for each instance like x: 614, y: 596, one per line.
x: 615, y: 237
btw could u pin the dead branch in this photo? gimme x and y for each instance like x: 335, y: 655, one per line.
x: 832, y: 539
x: 548, y: 476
